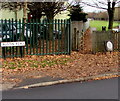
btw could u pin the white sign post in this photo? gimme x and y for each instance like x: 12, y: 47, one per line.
x: 12, y: 44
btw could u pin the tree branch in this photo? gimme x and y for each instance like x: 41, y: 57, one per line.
x: 103, y: 3
x: 117, y: 2
x: 94, y: 5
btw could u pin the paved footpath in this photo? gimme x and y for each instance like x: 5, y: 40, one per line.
x: 99, y: 89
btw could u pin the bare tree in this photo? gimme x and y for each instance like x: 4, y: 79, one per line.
x: 35, y: 9
x: 108, y: 5
x: 51, y: 9
x: 15, y: 7
x: 12, y: 6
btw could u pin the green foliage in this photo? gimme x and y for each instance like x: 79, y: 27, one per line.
x: 76, y: 13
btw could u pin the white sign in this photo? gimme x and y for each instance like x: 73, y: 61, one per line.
x: 11, y: 44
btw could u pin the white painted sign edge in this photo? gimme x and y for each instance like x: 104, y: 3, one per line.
x: 12, y: 44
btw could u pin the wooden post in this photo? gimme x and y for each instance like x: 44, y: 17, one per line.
x: 77, y: 27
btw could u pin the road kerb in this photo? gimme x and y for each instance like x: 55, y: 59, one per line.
x: 67, y: 81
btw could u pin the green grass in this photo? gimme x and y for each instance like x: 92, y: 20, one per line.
x: 35, y: 64
x: 98, y: 24
x: 12, y: 67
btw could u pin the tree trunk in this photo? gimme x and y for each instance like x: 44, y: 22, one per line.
x: 24, y: 18
x: 111, y: 20
x: 111, y: 11
x: 25, y: 11
x: 50, y: 26
x: 15, y: 14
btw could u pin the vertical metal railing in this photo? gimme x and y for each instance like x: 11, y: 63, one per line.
x: 36, y: 35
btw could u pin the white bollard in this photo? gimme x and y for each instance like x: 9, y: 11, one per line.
x: 109, y: 46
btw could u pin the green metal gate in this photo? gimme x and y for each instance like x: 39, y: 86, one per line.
x: 42, y: 37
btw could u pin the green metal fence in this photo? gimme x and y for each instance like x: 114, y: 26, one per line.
x: 42, y: 37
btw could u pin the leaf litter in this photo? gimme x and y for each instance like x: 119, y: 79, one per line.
x: 72, y: 66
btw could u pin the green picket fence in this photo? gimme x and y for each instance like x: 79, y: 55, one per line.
x: 42, y: 37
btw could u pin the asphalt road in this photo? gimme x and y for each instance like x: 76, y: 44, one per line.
x: 101, y: 89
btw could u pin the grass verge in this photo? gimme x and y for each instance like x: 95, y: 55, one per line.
x: 98, y: 24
